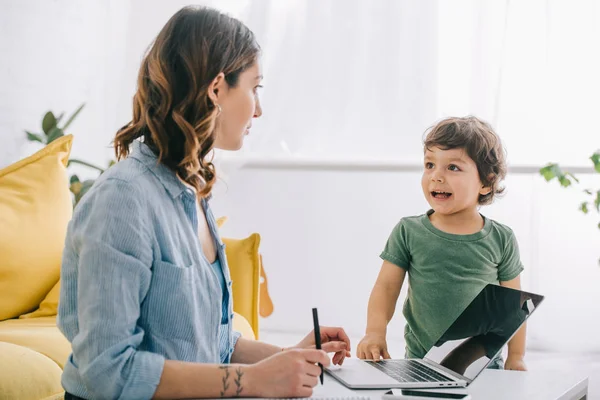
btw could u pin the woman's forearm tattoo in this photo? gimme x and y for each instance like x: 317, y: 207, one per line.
x: 236, y: 380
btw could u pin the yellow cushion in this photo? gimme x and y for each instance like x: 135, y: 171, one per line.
x: 264, y: 300
x: 35, y: 208
x: 242, y: 325
x: 49, y: 306
x: 244, y: 265
x: 25, y: 374
x: 39, y: 334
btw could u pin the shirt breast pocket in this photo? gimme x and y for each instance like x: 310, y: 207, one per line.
x: 173, y: 303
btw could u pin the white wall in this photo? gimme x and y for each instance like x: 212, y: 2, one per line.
x: 322, y: 232
x: 56, y: 55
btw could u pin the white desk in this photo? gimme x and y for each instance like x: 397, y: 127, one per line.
x: 493, y: 385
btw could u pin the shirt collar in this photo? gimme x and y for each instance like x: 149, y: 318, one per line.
x: 142, y: 152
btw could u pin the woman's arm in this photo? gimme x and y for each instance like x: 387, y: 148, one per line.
x: 286, y: 374
x: 183, y: 380
x: 333, y: 340
x: 109, y: 279
x: 251, y: 351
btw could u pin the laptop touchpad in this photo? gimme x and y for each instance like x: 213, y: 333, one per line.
x: 357, y: 371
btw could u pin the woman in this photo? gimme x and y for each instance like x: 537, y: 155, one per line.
x: 145, y: 296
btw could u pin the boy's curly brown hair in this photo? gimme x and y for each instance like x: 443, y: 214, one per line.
x: 481, y: 144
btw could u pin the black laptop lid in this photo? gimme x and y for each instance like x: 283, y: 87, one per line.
x: 481, y: 331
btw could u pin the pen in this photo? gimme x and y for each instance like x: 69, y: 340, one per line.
x: 317, y: 336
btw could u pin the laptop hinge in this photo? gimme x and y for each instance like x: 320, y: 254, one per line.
x: 448, y: 372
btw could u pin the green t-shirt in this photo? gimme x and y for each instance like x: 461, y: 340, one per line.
x: 446, y: 272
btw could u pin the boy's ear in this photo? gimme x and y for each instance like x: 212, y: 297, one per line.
x: 487, y: 189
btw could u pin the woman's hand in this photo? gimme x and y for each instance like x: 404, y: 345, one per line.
x: 372, y: 347
x: 291, y: 373
x: 333, y: 340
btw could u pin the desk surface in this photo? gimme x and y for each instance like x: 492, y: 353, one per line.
x: 491, y: 385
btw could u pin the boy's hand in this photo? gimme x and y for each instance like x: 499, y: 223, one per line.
x: 515, y: 363
x: 372, y: 347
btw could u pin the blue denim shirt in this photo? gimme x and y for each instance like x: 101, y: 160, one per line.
x: 136, y: 288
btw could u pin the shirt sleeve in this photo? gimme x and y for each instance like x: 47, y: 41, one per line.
x: 511, y: 266
x: 396, y: 248
x: 236, y: 336
x: 115, y: 255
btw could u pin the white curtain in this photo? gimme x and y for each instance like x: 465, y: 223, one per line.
x: 345, y: 79
x: 354, y: 80
x: 358, y: 79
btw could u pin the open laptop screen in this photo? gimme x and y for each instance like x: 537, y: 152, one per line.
x: 482, y: 330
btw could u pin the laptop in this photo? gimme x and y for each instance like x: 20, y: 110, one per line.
x: 465, y: 349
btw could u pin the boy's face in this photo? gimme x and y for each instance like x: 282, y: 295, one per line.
x: 451, y: 181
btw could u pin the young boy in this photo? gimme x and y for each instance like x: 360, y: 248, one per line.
x: 450, y: 252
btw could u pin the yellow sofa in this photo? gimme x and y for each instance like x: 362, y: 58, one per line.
x: 35, y: 207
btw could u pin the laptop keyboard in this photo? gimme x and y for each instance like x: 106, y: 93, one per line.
x: 409, y: 371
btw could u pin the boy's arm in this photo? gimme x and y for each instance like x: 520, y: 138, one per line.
x: 516, y: 346
x: 382, y: 302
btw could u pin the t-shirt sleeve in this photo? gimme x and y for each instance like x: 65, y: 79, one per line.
x: 511, y: 266
x: 396, y: 248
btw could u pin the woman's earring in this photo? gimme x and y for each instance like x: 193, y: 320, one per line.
x: 219, y: 109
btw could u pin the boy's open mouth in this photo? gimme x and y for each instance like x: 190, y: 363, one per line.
x: 441, y: 195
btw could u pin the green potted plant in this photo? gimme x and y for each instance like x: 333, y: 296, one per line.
x: 567, y: 179
x: 52, y: 131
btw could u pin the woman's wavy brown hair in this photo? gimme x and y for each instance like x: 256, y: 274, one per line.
x: 171, y: 108
x: 481, y: 144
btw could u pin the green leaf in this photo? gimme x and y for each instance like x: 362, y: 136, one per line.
x: 596, y: 160
x: 59, y: 118
x: 550, y: 171
x: 73, y: 117
x: 572, y: 176
x: 34, y: 137
x: 74, y: 179
x: 48, y: 122
x: 597, y: 201
x: 75, y: 188
x: 54, y: 134
x: 85, y: 187
x: 564, y: 181
x: 84, y: 163
x: 584, y: 207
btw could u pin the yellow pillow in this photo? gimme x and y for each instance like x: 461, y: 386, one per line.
x: 242, y: 325
x: 35, y: 208
x: 49, y: 306
x: 264, y: 300
x: 244, y: 266
x: 27, y: 374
